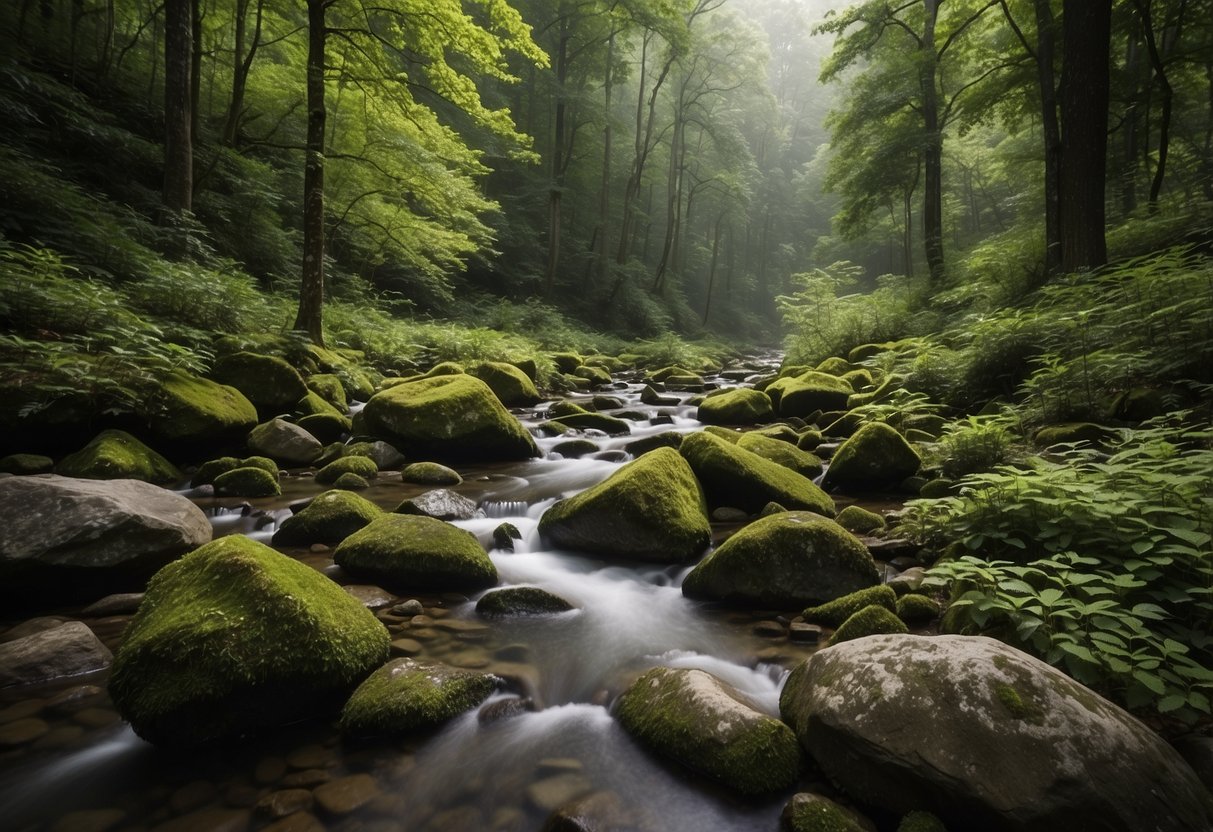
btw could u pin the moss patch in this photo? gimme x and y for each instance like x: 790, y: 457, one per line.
x: 732, y: 476
x: 1016, y: 705
x: 408, y: 696
x: 116, y: 455
x: 781, y: 453
x: 26, y: 464
x: 521, y: 600
x: 744, y: 406
x: 917, y: 609
x: 807, y: 812
x: 833, y: 613
x: 330, y: 518
x: 875, y: 457
x: 510, y: 384
x: 869, y: 621
x: 234, y: 638
x: 271, y: 384
x: 247, y: 482
x: 329, y: 388
x: 860, y: 520
x: 412, y: 552
x: 360, y: 465
x: 190, y: 410
x: 803, y: 394
x: 430, y: 473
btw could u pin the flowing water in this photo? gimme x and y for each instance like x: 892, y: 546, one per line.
x: 548, y: 739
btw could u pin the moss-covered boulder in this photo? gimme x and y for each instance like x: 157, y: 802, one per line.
x: 448, y: 417
x: 1074, y: 432
x: 669, y: 439
x: 809, y: 812
x: 209, y: 470
x: 743, y: 406
x: 835, y: 366
x: 329, y: 518
x: 781, y: 453
x: 859, y: 520
x: 430, y: 473
x: 248, y: 481
x: 566, y: 362
x: 732, y: 476
x: 875, y: 457
x: 385, y: 456
x: 695, y: 719
x: 919, y: 821
x: 650, y: 396
x: 235, y: 638
x: 650, y: 509
x: 364, y: 467
x: 349, y: 481
x: 510, y: 384
x: 916, y: 609
x: 783, y: 560
x: 116, y: 455
x: 872, y: 620
x: 521, y: 600
x: 575, y: 448
x: 326, y: 427
x: 984, y: 737
x: 409, y: 696
x: 269, y: 382
x: 25, y: 465
x: 328, y: 386
x: 284, y: 442
x: 190, y: 411
x: 594, y: 421
x: 412, y: 552
x: 809, y: 392
x: 313, y: 404
x: 833, y: 613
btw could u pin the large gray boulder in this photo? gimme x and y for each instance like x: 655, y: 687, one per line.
x: 86, y: 538
x: 284, y: 442
x: 67, y: 650
x: 986, y: 737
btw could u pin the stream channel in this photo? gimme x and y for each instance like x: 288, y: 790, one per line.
x: 503, y: 767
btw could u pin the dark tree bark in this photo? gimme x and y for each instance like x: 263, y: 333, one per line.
x: 1046, y: 54
x: 1086, y: 39
x: 604, y: 196
x: 932, y: 209
x: 195, y: 68
x: 178, y: 147
x: 1158, y: 63
x: 556, y: 191
x: 311, y: 289
x: 241, y: 67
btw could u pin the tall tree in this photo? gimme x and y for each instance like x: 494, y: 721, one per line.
x: 178, y: 94
x: 310, y: 317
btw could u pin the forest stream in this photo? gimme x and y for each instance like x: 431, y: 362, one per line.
x: 547, y: 738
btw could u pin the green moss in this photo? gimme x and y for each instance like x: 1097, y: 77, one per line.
x: 727, y: 434
x: 349, y: 481
x: 413, y: 552
x: 208, y: 471
x: 742, y: 406
x: 330, y: 518
x: 234, y: 638
x: 271, y: 384
x: 938, y: 487
x: 833, y: 613
x: 650, y: 396
x: 430, y: 473
x: 564, y: 407
x: 917, y: 609
x: 877, y: 456
x: 505, y: 535
x: 247, y: 482
x: 521, y: 600
x: 360, y: 465
x: 445, y: 368
x: 808, y: 812
x: 1016, y: 705
x: 596, y: 376
x: 650, y: 509
x: 808, y: 392
x: 808, y: 440
x: 870, y: 620
x: 783, y: 560
x: 835, y: 366
x: 918, y: 821
x: 448, y: 417
x: 575, y: 448
x: 311, y: 404
x: 329, y: 388
x: 26, y: 464
x: 326, y: 427
x: 116, y: 455
x: 510, y: 384
x: 660, y: 710
x: 665, y: 373
x: 781, y: 453
x: 596, y: 421
x: 566, y: 362
x: 860, y: 520
x: 859, y: 380
x: 191, y: 410
x: 669, y: 439
x: 408, y: 696
x: 732, y: 476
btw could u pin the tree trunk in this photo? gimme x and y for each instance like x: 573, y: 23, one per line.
x: 311, y: 289
x: 556, y: 191
x: 604, y: 196
x: 1207, y: 185
x: 1046, y: 54
x: 932, y: 209
x: 673, y: 199
x: 1086, y: 35
x: 707, y: 305
x: 1164, y: 85
x: 195, y: 68
x: 178, y: 148
x: 1128, y: 174
x: 242, y: 64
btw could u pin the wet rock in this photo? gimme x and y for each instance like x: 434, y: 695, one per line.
x: 833, y: 613
x: 407, y: 553
x: 441, y: 503
x: 784, y: 561
x: 32, y: 626
x: 116, y: 455
x: 521, y: 600
x: 124, y: 603
x: 728, y: 514
x: 876, y: 457
x: 743, y: 406
x: 406, y: 647
x: 284, y: 802
x: 385, y: 456
x: 298, y: 822
x: 247, y: 482
x: 873, y: 619
x: 597, y: 812
x: 371, y: 597
x: 409, y: 608
x: 508, y: 383
x: 808, y: 812
x: 575, y: 448
x: 733, y: 476
x: 505, y: 708
x: 223, y: 630
x: 650, y: 509
x: 24, y: 465
x: 769, y: 629
x: 271, y: 384
x: 306, y: 779
x: 269, y: 770
x: 505, y: 535
x: 284, y: 442
x: 22, y: 731
x: 695, y: 719
x: 430, y: 473
x: 326, y: 427
x: 192, y: 796
x: 804, y: 633
x: 650, y: 396
x: 330, y: 518
x: 67, y: 650
x: 592, y: 421
x: 75, y: 698
x: 23, y: 709
x: 551, y: 793
x: 211, y: 469
x: 364, y: 467
x: 448, y: 417
x: 946, y: 723
x: 409, y: 696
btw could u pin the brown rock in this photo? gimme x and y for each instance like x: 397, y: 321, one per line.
x: 21, y: 731
x: 208, y: 820
x: 284, y: 802
x: 269, y: 770
x: 342, y: 796
x: 298, y: 822
x: 192, y: 796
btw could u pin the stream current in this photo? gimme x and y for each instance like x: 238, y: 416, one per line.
x: 549, y: 739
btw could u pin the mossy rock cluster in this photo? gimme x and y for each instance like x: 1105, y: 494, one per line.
x: 247, y: 481
x: 448, y: 418
x: 872, y: 620
x: 329, y: 519
x: 209, y: 470
x: 328, y: 386
x: 781, y: 453
x: 412, y: 552
x: 510, y: 384
x: 698, y: 721
x: 875, y: 457
x: 116, y: 455
x: 784, y: 560
x: 650, y: 509
x: 188, y: 411
x: 430, y: 473
x: 833, y: 613
x: 732, y: 476
x: 270, y: 383
x: 364, y: 467
x: 743, y: 406
x: 235, y: 638
x: 410, y: 696
x: 521, y: 600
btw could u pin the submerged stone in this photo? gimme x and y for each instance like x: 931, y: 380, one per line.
x: 521, y: 600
